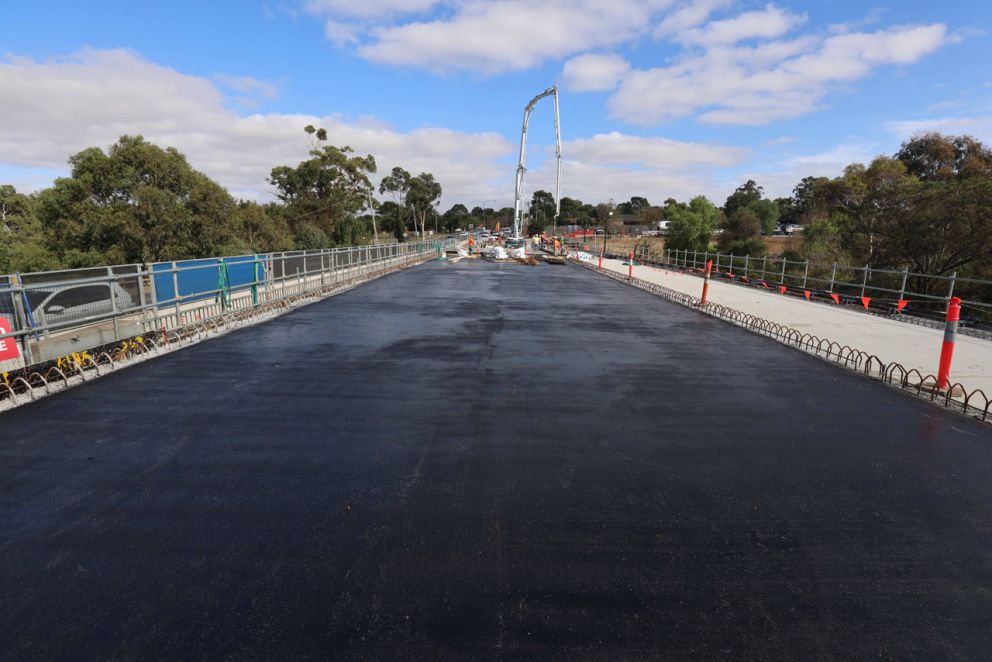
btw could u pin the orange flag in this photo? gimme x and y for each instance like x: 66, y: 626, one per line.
x: 865, y: 301
x: 806, y: 294
x: 835, y: 297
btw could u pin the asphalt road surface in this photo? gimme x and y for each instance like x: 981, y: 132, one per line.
x: 493, y: 461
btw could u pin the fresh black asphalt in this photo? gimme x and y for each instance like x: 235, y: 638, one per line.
x: 493, y: 461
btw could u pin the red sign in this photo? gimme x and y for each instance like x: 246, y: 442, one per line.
x: 8, y: 346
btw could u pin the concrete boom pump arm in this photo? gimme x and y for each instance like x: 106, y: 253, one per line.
x: 518, y: 206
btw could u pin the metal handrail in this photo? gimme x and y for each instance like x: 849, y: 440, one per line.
x: 752, y: 267
x: 149, y: 312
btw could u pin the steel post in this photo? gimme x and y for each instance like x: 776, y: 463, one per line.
x: 113, y: 302
x: 902, y: 288
x: 141, y: 298
x: 175, y: 294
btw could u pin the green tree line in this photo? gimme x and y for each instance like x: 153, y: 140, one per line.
x: 927, y: 208
x: 138, y: 202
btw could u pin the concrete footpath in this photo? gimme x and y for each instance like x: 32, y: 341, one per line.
x: 891, y: 341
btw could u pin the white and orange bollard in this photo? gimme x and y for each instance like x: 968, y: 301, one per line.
x: 706, y: 282
x: 947, y: 349
x: 630, y: 261
x: 600, y: 259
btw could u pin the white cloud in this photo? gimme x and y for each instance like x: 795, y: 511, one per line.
x: 689, y: 15
x: 779, y: 177
x: 340, y: 33
x: 594, y: 72
x: 834, y: 160
x: 249, y: 85
x: 512, y: 35
x: 618, y: 166
x: 369, y: 8
x: 655, y: 153
x: 767, y: 23
x: 979, y: 127
x: 54, y: 109
x: 873, y: 16
x: 773, y: 80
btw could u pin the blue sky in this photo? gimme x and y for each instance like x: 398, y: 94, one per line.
x: 659, y: 97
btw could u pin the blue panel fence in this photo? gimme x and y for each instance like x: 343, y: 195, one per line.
x: 207, y: 278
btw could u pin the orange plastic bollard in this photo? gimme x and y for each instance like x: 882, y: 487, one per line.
x: 947, y: 349
x: 630, y: 274
x: 706, y: 282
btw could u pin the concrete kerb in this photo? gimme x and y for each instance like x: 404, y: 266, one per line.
x: 11, y: 395
x: 956, y: 398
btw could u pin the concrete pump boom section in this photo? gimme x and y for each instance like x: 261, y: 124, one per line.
x: 518, y: 205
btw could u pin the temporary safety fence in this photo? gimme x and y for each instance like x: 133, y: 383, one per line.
x: 952, y: 396
x: 60, y: 317
x: 912, y: 296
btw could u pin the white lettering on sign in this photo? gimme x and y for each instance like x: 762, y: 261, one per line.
x: 3, y: 344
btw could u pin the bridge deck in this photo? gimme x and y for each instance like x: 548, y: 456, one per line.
x: 493, y: 460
